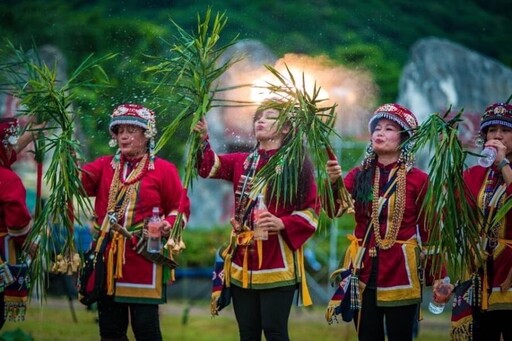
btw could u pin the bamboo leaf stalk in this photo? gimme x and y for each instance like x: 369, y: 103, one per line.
x: 448, y: 215
x: 313, y: 124
x: 49, y: 99
x: 191, y: 72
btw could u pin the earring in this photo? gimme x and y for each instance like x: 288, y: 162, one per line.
x: 369, y: 157
x: 112, y: 143
x: 151, y: 165
x: 115, y: 160
x: 406, y: 155
x: 480, y: 140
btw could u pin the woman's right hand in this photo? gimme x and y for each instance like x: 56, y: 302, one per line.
x: 441, y: 291
x: 333, y: 170
x: 202, y: 128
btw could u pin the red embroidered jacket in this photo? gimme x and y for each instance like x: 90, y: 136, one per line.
x: 476, y: 179
x: 397, y: 273
x: 281, y: 253
x: 142, y: 280
x: 14, y: 214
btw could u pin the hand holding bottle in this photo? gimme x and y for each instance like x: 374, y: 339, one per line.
x: 260, y: 233
x: 488, y: 156
x: 266, y: 221
x: 441, y: 292
x: 154, y: 233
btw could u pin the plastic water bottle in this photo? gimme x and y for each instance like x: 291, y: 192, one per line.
x: 442, y: 292
x: 259, y: 233
x: 154, y: 234
x: 488, y: 155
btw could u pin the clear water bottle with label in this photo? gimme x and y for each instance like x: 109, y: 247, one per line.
x: 441, y: 293
x: 259, y: 233
x: 488, y: 156
x: 154, y: 234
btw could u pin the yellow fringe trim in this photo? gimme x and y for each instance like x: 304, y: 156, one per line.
x: 245, y: 269
x: 227, y: 270
x: 485, y: 288
x: 259, y: 246
x: 115, y: 267
x: 461, y: 330
x: 329, y: 312
x: 351, y: 253
x: 306, y: 297
x: 213, y: 303
x: 119, y: 240
x: 227, y: 255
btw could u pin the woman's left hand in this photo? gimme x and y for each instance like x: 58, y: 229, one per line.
x: 164, y: 227
x: 501, y: 150
x: 333, y: 170
x: 270, y: 222
x: 441, y: 291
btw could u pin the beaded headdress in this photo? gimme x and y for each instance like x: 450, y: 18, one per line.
x: 137, y: 115
x: 396, y: 113
x: 497, y: 113
x: 401, y: 116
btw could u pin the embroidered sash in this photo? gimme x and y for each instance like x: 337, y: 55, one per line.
x: 490, y: 199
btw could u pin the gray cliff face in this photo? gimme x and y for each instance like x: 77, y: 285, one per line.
x: 440, y: 74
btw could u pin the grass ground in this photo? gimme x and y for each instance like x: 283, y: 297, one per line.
x: 191, y: 321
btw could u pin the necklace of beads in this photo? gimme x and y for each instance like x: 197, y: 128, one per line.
x: 136, y: 174
x: 398, y: 213
x: 125, y: 188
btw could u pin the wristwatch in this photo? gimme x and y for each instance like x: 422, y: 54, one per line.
x: 503, y: 163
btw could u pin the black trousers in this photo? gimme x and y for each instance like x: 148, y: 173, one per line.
x: 114, y: 318
x: 493, y: 325
x: 264, y: 310
x: 398, y: 321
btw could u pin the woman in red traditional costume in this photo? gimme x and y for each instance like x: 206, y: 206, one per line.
x: 263, y: 275
x: 489, y: 189
x: 384, y: 255
x: 15, y: 221
x: 127, y: 187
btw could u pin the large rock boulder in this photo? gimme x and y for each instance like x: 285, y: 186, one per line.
x: 440, y: 74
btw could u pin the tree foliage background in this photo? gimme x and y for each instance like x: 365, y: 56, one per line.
x: 372, y: 34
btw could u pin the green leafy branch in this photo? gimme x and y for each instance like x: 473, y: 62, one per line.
x: 312, y: 125
x: 191, y: 72
x: 449, y: 217
x: 48, y: 99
